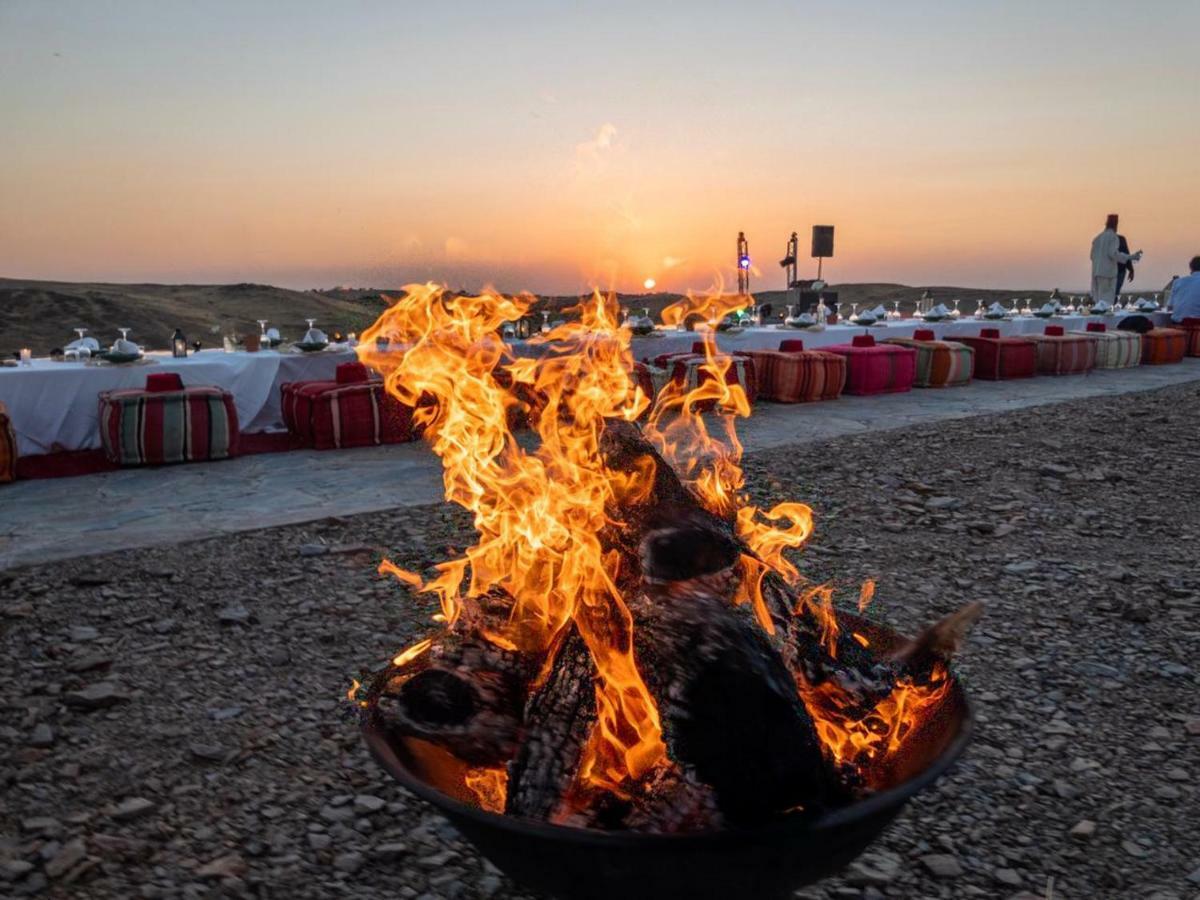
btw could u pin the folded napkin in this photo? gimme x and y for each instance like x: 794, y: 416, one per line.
x: 120, y: 345
x: 879, y: 312
x: 997, y: 309
x: 939, y: 310
x: 315, y: 336
x: 1050, y: 307
x: 1102, y: 306
x: 88, y: 343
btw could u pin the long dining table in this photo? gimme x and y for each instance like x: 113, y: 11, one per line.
x: 53, y: 405
x: 768, y: 337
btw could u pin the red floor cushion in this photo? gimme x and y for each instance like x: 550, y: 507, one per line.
x: 798, y: 376
x: 690, y: 372
x: 1163, y: 346
x: 143, y: 427
x: 8, y: 447
x: 1114, y: 349
x: 1059, y: 353
x: 1191, y: 327
x: 873, y: 368
x: 329, y: 416
x: 1000, y: 358
x: 939, y: 363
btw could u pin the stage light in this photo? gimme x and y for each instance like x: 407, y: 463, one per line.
x: 744, y: 262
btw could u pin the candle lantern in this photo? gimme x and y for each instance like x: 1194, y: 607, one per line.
x: 178, y: 345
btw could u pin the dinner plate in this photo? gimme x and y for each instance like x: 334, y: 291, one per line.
x: 119, y: 358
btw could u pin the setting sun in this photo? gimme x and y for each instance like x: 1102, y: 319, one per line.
x: 649, y: 284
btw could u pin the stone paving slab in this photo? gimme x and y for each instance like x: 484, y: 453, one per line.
x: 61, y: 518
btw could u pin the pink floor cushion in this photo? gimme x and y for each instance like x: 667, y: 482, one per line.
x: 1001, y: 358
x: 939, y: 363
x: 1114, y: 349
x: 8, y: 447
x: 142, y: 427
x: 873, y: 368
x: 798, y: 376
x: 330, y: 416
x: 1059, y: 353
x: 1191, y: 327
x: 1164, y: 346
x: 690, y: 372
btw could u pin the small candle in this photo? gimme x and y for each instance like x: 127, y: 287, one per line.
x: 26, y: 356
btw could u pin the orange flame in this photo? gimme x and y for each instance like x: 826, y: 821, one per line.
x: 712, y: 305
x: 537, y: 512
x: 857, y: 740
x: 866, y: 595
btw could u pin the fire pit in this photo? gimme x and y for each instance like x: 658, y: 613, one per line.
x: 767, y: 861
x: 635, y: 690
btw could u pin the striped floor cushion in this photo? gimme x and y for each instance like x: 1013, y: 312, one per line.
x: 876, y: 368
x: 1191, y: 327
x: 939, y: 363
x: 1059, y: 353
x: 139, y: 427
x: 1114, y: 349
x: 1001, y: 358
x: 8, y: 447
x: 798, y: 377
x: 690, y: 372
x: 296, y: 401
x: 1163, y: 346
x: 330, y: 416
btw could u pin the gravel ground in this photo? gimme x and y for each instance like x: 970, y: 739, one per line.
x: 170, y: 723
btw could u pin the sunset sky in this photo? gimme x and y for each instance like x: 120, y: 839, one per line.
x: 552, y: 146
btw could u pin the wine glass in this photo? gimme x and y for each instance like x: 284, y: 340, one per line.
x: 956, y: 313
x: 125, y: 332
x: 82, y: 352
x: 311, y: 323
x: 545, y: 321
x: 263, y: 340
x: 895, y: 314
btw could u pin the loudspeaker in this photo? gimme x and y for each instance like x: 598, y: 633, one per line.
x: 822, y: 241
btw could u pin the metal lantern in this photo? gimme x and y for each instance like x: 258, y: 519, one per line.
x: 178, y: 345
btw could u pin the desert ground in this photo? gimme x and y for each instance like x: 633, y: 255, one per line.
x: 174, y: 726
x: 41, y: 315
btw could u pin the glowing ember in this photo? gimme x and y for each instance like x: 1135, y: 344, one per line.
x: 490, y: 787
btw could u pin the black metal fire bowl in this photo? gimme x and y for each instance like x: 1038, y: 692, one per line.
x: 767, y: 861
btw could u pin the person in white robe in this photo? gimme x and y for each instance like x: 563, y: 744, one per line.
x: 1107, y: 258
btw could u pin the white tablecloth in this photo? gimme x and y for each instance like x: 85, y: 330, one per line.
x: 53, y: 405
x: 769, y: 337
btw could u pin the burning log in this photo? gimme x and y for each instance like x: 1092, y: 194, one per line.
x: 729, y: 706
x: 731, y: 716
x: 559, y: 717
x: 464, y: 693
